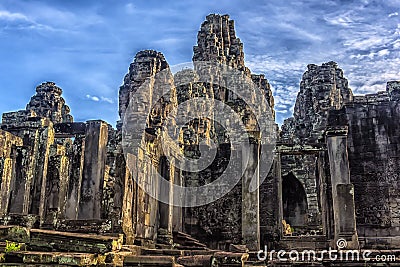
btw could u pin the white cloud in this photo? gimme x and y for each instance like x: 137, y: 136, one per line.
x: 383, y: 52
x: 93, y: 98
x: 6, y: 15
x: 393, y: 14
x: 100, y: 98
x: 344, y: 20
x: 106, y: 99
x: 17, y: 20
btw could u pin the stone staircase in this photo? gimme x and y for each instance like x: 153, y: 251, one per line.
x: 40, y: 247
x: 184, y: 241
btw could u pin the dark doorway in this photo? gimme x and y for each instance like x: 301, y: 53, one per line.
x: 294, y: 201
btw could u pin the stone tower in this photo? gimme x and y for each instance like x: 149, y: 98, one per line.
x: 48, y: 103
x: 321, y: 89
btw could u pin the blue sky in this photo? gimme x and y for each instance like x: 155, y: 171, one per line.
x: 86, y: 46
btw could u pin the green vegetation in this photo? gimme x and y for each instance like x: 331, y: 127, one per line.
x: 11, y: 247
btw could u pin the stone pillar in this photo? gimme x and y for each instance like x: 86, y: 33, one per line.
x: 93, y: 170
x: 279, y: 191
x: 63, y: 185
x: 19, y: 201
x: 250, y: 200
x: 8, y: 149
x: 119, y: 174
x: 324, y: 195
x: 342, y: 189
x: 129, y: 197
x: 56, y: 188
x: 167, y: 171
x: 177, y: 218
x: 75, y: 179
x: 164, y: 193
x: 8, y: 169
x: 43, y: 139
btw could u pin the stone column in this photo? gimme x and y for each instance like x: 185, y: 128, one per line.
x: 6, y: 180
x: 8, y: 151
x: 323, y: 190
x: 75, y: 179
x: 93, y: 170
x: 19, y: 202
x: 57, y: 182
x: 342, y: 189
x: 128, y: 211
x: 250, y: 200
x: 177, y: 218
x: 166, y: 209
x: 31, y: 167
x: 44, y: 138
x: 279, y: 191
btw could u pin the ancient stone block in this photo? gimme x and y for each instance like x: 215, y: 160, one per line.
x: 93, y: 170
x: 46, y: 240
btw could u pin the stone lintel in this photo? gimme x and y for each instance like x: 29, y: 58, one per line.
x: 30, y: 124
x: 292, y: 149
x: 337, y: 131
x: 69, y: 129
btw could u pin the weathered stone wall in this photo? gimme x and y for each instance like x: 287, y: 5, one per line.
x: 219, y: 223
x: 142, y: 217
x: 270, y: 220
x: 304, y: 168
x: 8, y: 147
x: 374, y: 136
x: 37, y: 136
x: 265, y: 87
x: 217, y: 43
x: 50, y: 164
x: 234, y: 218
x: 322, y: 88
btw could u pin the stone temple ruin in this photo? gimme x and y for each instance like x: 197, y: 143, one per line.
x: 70, y: 194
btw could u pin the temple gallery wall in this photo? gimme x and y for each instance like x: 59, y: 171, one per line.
x: 334, y: 173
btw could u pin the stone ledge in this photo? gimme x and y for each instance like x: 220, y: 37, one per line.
x: 166, y: 261
x: 53, y: 240
x: 46, y: 258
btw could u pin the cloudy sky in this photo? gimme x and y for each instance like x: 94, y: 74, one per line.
x: 86, y: 46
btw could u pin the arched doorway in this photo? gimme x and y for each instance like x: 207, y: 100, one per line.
x: 294, y: 201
